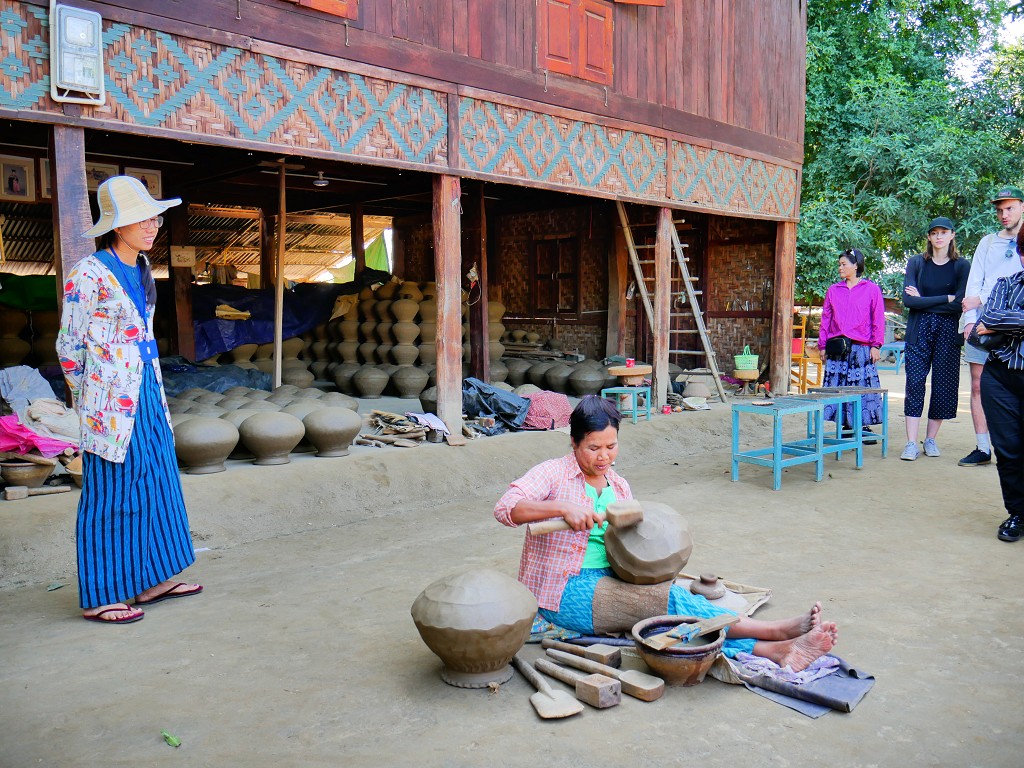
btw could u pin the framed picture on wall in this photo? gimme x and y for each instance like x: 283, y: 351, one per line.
x: 17, y: 179
x: 44, y: 179
x: 97, y: 173
x: 150, y: 179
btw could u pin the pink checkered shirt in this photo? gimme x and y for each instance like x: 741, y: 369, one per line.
x: 548, y: 561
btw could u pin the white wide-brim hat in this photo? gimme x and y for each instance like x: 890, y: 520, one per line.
x: 125, y: 200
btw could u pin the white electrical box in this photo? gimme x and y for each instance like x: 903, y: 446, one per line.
x: 76, y: 55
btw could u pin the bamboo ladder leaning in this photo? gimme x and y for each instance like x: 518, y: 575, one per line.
x: 690, y: 307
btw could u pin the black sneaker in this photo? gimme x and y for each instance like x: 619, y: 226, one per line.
x: 976, y: 458
x: 1011, y: 529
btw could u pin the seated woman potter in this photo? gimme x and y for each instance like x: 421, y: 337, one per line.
x: 569, y: 572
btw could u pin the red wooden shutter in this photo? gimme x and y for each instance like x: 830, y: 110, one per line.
x: 659, y: 3
x: 557, y: 46
x: 596, y: 41
x: 347, y: 9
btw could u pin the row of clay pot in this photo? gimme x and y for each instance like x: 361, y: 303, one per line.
x: 257, y: 430
x: 42, y: 341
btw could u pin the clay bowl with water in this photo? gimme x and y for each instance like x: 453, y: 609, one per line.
x: 678, y: 664
x: 24, y: 473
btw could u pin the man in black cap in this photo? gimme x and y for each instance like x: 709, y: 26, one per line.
x: 995, y: 257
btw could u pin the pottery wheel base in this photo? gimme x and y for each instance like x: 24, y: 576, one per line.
x: 476, y: 679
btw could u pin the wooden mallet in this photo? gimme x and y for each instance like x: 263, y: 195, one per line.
x: 599, y: 652
x: 620, y: 514
x: 22, y: 492
x: 598, y: 691
x: 639, y: 685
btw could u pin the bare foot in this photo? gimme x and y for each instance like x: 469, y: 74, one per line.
x: 780, y: 629
x: 806, y: 649
x: 114, y: 613
x: 811, y: 619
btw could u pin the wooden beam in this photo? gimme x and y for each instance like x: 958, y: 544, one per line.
x: 474, y: 243
x: 447, y: 273
x: 662, y: 303
x: 267, y: 234
x: 782, y: 307
x: 356, y: 230
x: 181, y: 283
x: 71, y: 214
x: 282, y: 231
x: 618, y: 280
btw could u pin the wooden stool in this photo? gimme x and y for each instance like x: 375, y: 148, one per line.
x: 619, y: 394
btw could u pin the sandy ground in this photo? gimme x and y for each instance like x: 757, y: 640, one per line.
x: 302, y: 652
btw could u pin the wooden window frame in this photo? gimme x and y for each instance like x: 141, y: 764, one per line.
x: 344, y: 9
x: 578, y: 14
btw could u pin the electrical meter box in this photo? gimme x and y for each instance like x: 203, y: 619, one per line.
x: 76, y: 55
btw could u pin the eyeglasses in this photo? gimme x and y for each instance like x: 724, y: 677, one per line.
x: 154, y: 223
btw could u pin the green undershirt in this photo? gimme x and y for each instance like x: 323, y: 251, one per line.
x: 596, y: 556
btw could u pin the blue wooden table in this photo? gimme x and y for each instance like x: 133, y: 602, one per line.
x: 835, y: 442
x: 632, y: 396
x: 883, y: 435
x: 780, y: 454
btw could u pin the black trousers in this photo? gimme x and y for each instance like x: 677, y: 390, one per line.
x: 1002, y: 397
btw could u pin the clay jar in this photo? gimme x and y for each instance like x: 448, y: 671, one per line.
x: 332, y: 430
x: 517, y: 368
x: 271, y: 436
x: 370, y: 381
x: 475, y: 622
x: 241, y: 453
x: 652, y: 551
x: 409, y: 381
x: 586, y: 380
x: 709, y: 586
x: 428, y: 400
x: 557, y: 377
x: 499, y: 372
x: 343, y: 377
x: 536, y: 373
x: 202, y: 444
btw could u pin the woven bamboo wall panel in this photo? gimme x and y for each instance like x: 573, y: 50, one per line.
x: 157, y: 80
x: 525, y: 145
x: 723, y: 181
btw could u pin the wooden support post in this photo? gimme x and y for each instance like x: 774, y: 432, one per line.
x: 267, y: 250
x: 447, y: 273
x: 71, y: 214
x: 282, y: 230
x: 782, y: 307
x: 181, y: 283
x: 618, y: 280
x: 356, y: 238
x: 662, y: 303
x: 474, y: 244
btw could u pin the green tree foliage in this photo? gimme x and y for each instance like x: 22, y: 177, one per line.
x: 896, y: 134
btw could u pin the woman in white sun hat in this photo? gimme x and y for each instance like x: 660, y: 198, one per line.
x: 132, y: 531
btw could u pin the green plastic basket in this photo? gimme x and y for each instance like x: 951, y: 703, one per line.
x: 746, y: 361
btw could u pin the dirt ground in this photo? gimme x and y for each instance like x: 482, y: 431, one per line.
x: 302, y: 651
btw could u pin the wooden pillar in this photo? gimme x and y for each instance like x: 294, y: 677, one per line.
x: 282, y: 230
x: 267, y: 250
x: 181, y: 283
x: 71, y: 214
x: 618, y: 280
x: 356, y: 237
x: 782, y: 307
x: 474, y: 244
x: 662, y: 303
x: 447, y: 273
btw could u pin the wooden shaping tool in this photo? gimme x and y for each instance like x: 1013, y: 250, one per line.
x: 22, y: 492
x: 620, y: 514
x: 687, y: 631
x: 598, y: 691
x: 639, y: 685
x: 548, y: 702
x: 599, y: 652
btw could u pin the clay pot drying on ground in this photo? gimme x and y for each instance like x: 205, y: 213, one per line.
x: 370, y: 381
x: 499, y: 372
x: 181, y: 418
x: 557, y: 377
x: 260, y: 405
x: 517, y: 369
x: 206, y: 409
x: 271, y: 436
x: 332, y: 430
x: 708, y: 585
x: 696, y: 389
x: 202, y: 444
x: 240, y: 453
x: 409, y: 381
x: 192, y: 393
x: 652, y: 551
x: 585, y: 380
x: 536, y: 373
x: 343, y: 377
x: 234, y: 403
x: 475, y: 622
x: 338, y: 400
x: 428, y: 400
x: 297, y: 376
x: 524, y: 390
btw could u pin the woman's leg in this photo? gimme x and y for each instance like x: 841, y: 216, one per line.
x: 918, y: 362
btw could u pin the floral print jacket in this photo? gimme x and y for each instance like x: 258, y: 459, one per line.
x: 98, y: 346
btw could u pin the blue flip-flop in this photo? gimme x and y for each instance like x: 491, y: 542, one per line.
x: 169, y: 593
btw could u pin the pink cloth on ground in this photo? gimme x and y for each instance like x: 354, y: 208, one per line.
x: 548, y: 410
x: 17, y: 438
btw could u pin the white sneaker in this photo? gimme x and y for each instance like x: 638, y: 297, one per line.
x: 910, y: 452
x: 930, y: 448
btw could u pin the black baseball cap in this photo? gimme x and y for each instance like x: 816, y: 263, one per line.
x: 1008, y: 193
x: 941, y: 221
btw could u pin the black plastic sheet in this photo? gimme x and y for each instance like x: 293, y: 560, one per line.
x: 482, y: 399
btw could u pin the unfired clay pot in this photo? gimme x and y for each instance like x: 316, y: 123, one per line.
x: 428, y: 400
x: 475, y: 622
x: 557, y: 377
x: 332, y: 430
x: 271, y: 436
x: 586, y: 380
x: 708, y: 585
x: 203, y: 443
x: 370, y: 381
x: 338, y: 400
x: 536, y: 373
x: 652, y: 551
x: 409, y: 381
x: 517, y: 368
x: 241, y: 453
x: 343, y: 377
x: 499, y: 372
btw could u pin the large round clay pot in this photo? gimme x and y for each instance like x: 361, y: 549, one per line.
x: 405, y: 333
x: 193, y: 393
x: 404, y: 310
x: 370, y: 381
x: 271, y: 436
x: 536, y: 373
x: 332, y: 430
x: 475, y: 622
x: 499, y: 372
x: 495, y: 311
x: 585, y: 380
x: 27, y: 474
x: 411, y: 291
x: 297, y: 376
x: 202, y: 444
x: 428, y: 400
x: 517, y: 368
x: 428, y: 353
x: 181, y: 418
x: 652, y: 551
x: 404, y: 354
x: 525, y: 390
x: 557, y: 377
x: 207, y: 409
x: 300, y: 409
x: 209, y: 397
x: 343, y: 377
x: 256, y: 394
x: 174, y: 405
x: 696, y: 389
x: 234, y: 403
x: 260, y: 405
x: 241, y: 453
x: 409, y: 381
x: 338, y: 400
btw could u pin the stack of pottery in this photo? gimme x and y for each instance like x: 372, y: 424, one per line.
x: 348, y: 347
x: 405, y: 331
x: 475, y: 622
x: 428, y: 331
x: 495, y: 312
x: 242, y: 355
x: 13, y: 348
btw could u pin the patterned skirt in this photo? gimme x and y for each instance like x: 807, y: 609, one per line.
x: 856, y: 370
x: 132, y: 530
x: 576, y: 609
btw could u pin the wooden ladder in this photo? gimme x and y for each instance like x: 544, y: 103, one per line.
x: 683, y: 305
